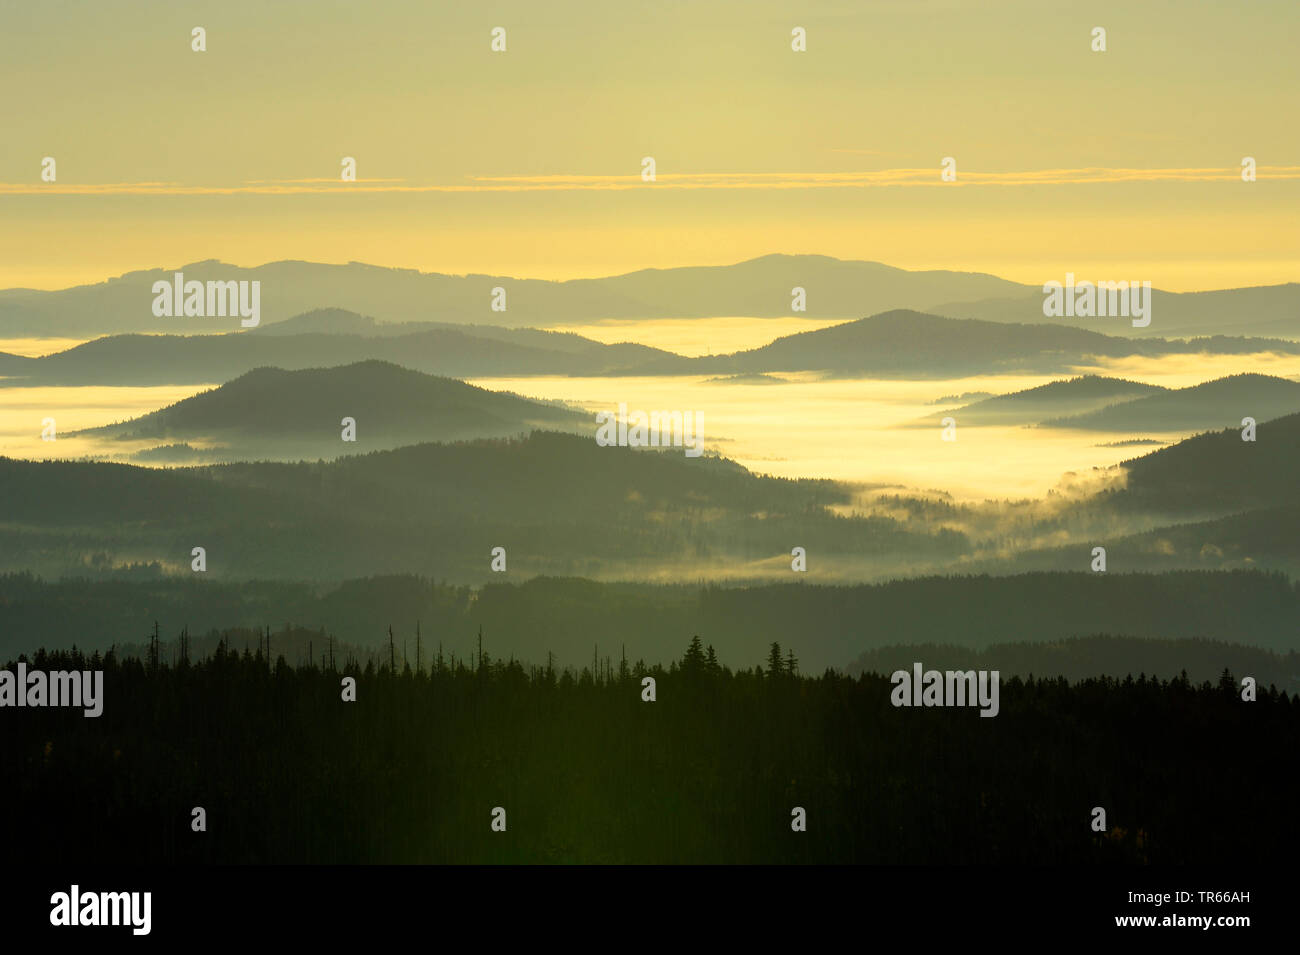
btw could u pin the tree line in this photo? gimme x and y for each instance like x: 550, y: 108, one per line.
x: 586, y: 770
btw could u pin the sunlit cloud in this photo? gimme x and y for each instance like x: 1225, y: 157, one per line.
x: 880, y: 178
x: 330, y: 179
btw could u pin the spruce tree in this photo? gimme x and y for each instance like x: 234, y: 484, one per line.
x: 775, y: 665
x: 694, y: 661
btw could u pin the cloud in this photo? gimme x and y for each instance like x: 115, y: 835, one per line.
x: 329, y: 179
x: 879, y: 178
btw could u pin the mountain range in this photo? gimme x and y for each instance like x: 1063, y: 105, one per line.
x: 889, y: 345
x: 762, y: 287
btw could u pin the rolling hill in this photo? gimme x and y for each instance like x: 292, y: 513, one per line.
x: 1266, y: 538
x: 889, y: 345
x: 913, y: 344
x: 1219, y: 471
x: 1208, y: 502
x: 559, y: 503
x: 336, y: 321
x: 1215, y: 404
x: 459, y: 352
x: 14, y: 364
x: 274, y: 414
x: 1271, y: 311
x: 1031, y: 405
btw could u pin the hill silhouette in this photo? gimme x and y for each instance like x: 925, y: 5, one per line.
x: 14, y: 364
x: 889, y: 345
x: 1211, y: 501
x: 603, y: 512
x: 1219, y: 470
x: 1075, y: 396
x: 1270, y: 311
x: 335, y: 321
x: 1264, y: 537
x: 277, y: 414
x: 913, y: 344
x: 758, y: 287
x: 559, y: 503
x: 1219, y: 403
x: 459, y: 352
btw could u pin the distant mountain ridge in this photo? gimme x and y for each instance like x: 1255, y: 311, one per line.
x: 758, y: 287
x: 761, y: 287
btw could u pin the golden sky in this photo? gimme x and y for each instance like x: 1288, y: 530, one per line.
x: 528, y: 162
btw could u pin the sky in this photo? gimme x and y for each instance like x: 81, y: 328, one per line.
x: 528, y: 162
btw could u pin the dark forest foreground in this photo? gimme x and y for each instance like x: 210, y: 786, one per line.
x: 587, y: 772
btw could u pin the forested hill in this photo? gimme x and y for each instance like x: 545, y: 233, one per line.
x: 1219, y: 471
x: 1212, y: 404
x: 441, y: 509
x: 1031, y: 405
x: 274, y: 414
